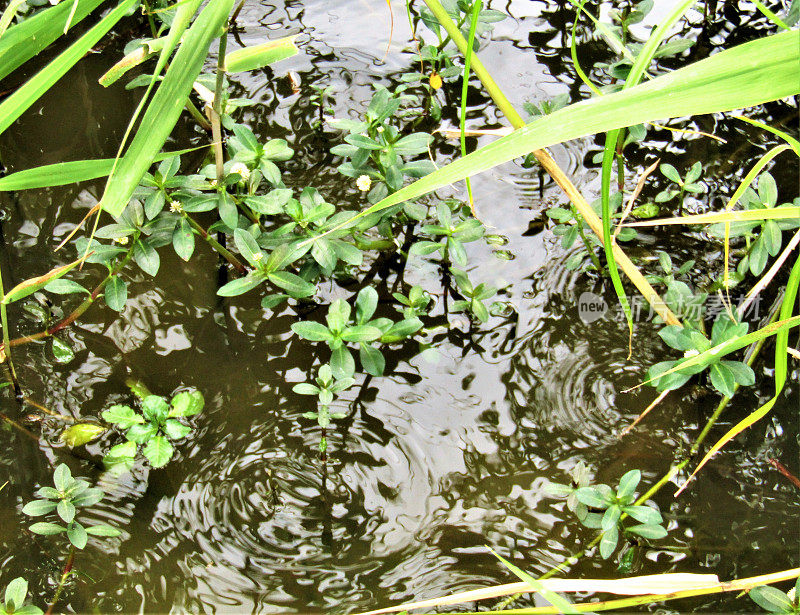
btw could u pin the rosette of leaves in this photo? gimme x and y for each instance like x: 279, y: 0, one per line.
x: 763, y: 238
x: 679, y: 296
x: 773, y: 600
x: 327, y: 388
x: 376, y: 148
x: 474, y: 299
x: 415, y: 303
x: 723, y: 373
x: 685, y: 184
x: 360, y: 329
x: 153, y: 428
x: 14, y: 599
x: 270, y: 268
x: 603, y: 508
x: 451, y: 234
x: 65, y: 499
x: 571, y: 226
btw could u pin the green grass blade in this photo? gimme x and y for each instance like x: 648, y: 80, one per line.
x: 747, y: 215
x: 476, y: 9
x: 743, y: 76
x: 18, y: 102
x: 165, y: 108
x: 637, y: 72
x: 65, y: 173
x: 781, y: 346
x: 259, y: 56
x: 23, y: 41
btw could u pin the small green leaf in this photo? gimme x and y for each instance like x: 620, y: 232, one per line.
x: 116, y: 293
x: 61, y: 286
x: 66, y: 510
x: 146, y: 257
x: 46, y: 529
x: 608, y: 543
x: 89, y: 497
x: 771, y: 599
x: 62, y: 352
x: 342, y: 363
x: 80, y: 433
x: 644, y: 514
x: 103, y: 530
x: 122, y: 416
x: 372, y: 360
x: 62, y: 477
x: 312, y: 331
x: 141, y: 433
x: 651, y: 532
x: 176, y: 430
x: 592, y: 497
x: 158, y: 451
x: 183, y: 239
x: 37, y: 508
x: 240, y: 286
x: 16, y: 592
x: 77, y: 535
x: 628, y: 483
x: 187, y: 403
x: 292, y: 284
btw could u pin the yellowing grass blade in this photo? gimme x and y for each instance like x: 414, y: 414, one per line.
x: 259, y: 56
x: 165, y: 108
x: 749, y: 215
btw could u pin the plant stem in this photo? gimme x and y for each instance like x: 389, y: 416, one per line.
x: 64, y: 575
x: 221, y: 250
x: 6, y: 346
x: 77, y: 313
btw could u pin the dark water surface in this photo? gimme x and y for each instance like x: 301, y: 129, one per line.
x: 435, y: 460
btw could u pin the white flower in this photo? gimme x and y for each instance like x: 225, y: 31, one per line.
x: 364, y: 183
x: 123, y: 241
x: 691, y: 353
x: 175, y: 206
x: 257, y: 257
x: 241, y: 169
x: 379, y: 129
x: 213, y: 183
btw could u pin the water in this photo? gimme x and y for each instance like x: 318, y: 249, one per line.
x: 436, y: 460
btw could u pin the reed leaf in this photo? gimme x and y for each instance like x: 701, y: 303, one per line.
x: 259, y: 56
x: 23, y: 41
x: 18, y: 102
x: 743, y: 76
x: 749, y: 215
x: 165, y: 108
x: 74, y: 171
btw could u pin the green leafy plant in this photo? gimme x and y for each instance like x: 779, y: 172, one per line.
x: 14, y: 599
x: 475, y: 297
x: 685, y: 184
x: 681, y: 298
x: 452, y: 235
x: 602, y: 507
x: 153, y: 429
x: 723, y: 373
x: 360, y: 329
x: 327, y: 388
x: 68, y: 496
x: 415, y: 303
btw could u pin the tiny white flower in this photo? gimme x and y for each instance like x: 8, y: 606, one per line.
x: 123, y: 241
x: 364, y: 183
x: 691, y: 353
x: 213, y: 183
x: 379, y: 129
x: 257, y: 257
x: 241, y: 169
x: 175, y: 207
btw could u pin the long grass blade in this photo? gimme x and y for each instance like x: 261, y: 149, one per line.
x: 18, y: 102
x: 25, y: 40
x: 74, y: 171
x: 259, y: 56
x: 747, y: 215
x: 165, y: 108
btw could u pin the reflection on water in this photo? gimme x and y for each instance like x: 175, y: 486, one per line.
x: 434, y: 461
